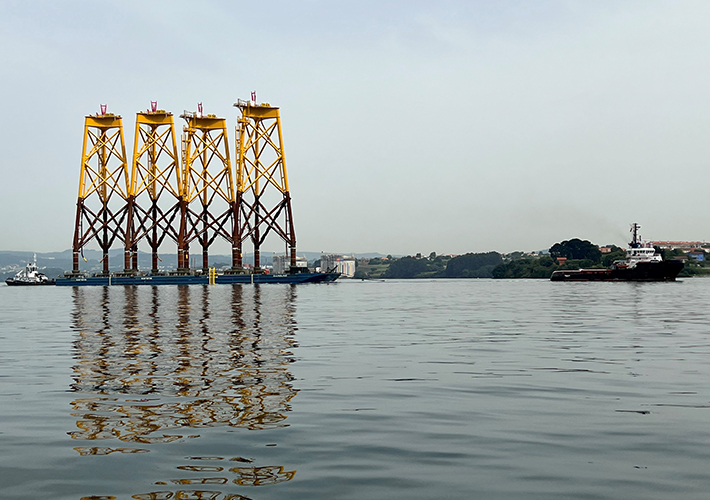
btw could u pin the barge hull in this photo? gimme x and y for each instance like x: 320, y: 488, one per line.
x: 203, y: 279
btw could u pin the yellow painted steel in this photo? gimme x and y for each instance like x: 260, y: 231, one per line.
x: 103, y: 158
x: 258, y: 135
x: 262, y: 182
x: 204, y: 143
x: 155, y: 173
x: 104, y: 187
x: 155, y: 138
x: 254, y: 203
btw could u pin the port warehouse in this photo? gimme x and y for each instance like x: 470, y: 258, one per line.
x: 189, y: 196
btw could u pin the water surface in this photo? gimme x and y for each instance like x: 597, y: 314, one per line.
x: 392, y: 390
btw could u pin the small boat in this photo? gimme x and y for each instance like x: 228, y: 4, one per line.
x: 30, y: 276
x: 642, y: 263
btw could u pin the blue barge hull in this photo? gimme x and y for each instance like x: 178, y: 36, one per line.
x: 197, y: 279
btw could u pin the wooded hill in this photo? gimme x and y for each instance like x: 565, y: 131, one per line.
x: 579, y: 254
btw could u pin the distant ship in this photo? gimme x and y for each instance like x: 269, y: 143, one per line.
x: 30, y: 276
x: 642, y: 263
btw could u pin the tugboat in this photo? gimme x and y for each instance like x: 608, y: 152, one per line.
x: 29, y: 276
x: 642, y: 263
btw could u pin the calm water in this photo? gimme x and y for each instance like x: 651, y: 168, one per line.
x: 378, y: 390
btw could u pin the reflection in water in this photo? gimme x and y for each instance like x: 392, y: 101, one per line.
x: 188, y: 495
x: 155, y: 364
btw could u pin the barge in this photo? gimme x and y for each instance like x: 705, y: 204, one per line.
x: 194, y: 279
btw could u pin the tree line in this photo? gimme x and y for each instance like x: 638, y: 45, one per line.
x: 568, y: 254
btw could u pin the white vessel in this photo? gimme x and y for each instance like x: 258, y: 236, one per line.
x: 30, y: 276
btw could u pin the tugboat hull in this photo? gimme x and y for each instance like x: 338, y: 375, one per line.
x: 18, y: 282
x: 666, y: 270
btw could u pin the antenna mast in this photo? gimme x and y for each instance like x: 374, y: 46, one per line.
x: 635, y: 241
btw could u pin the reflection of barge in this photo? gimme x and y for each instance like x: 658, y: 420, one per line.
x: 642, y: 264
x: 194, y: 279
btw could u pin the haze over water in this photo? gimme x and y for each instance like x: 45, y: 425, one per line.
x: 382, y: 390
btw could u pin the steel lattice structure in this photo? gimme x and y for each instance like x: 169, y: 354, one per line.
x: 101, y: 206
x: 192, y: 197
x: 263, y: 198
x: 208, y: 204
x: 156, y: 173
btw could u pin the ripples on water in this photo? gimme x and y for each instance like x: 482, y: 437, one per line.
x: 398, y: 389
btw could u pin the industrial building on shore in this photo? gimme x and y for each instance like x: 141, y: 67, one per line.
x: 343, y: 264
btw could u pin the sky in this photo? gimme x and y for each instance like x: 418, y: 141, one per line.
x: 409, y: 126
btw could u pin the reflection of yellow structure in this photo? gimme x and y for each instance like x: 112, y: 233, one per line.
x: 261, y: 476
x: 242, y: 476
x: 156, y: 364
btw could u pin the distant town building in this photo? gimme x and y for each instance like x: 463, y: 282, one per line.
x: 346, y: 267
x: 605, y: 249
x: 340, y: 263
x: 699, y: 256
x: 681, y: 245
x: 282, y: 263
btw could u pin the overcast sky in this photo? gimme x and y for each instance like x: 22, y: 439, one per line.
x: 409, y: 126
